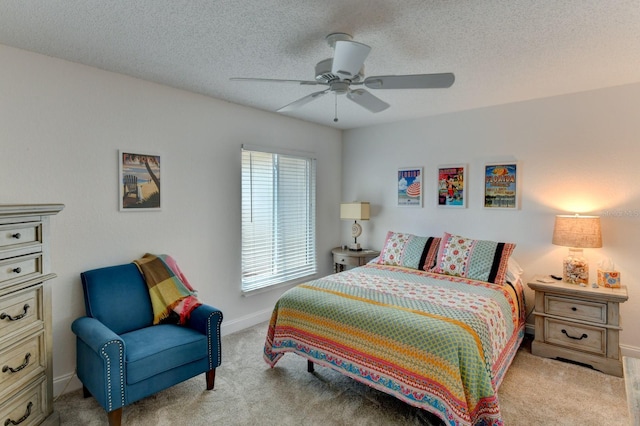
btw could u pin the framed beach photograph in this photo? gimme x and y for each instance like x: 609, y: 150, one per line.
x: 139, y: 181
x: 409, y: 186
x: 501, y: 186
x: 452, y: 186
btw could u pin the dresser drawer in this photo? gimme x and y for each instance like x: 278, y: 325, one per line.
x: 27, y: 407
x: 576, y: 336
x: 20, y: 310
x: 20, y: 363
x: 346, y: 260
x: 20, y: 268
x: 20, y: 234
x: 576, y: 308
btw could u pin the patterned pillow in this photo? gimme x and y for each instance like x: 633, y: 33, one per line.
x: 410, y: 251
x: 475, y: 259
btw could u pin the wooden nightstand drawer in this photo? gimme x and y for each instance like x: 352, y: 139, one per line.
x: 575, y: 308
x: 576, y: 336
x: 347, y: 260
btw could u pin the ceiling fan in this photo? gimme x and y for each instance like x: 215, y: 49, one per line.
x: 346, y: 69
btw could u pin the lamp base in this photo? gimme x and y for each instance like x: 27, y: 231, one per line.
x: 575, y: 268
x: 355, y: 247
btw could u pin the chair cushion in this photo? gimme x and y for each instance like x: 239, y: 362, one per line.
x: 118, y: 297
x: 153, y: 350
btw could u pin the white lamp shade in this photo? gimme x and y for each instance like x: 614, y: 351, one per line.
x: 355, y: 211
x: 577, y: 231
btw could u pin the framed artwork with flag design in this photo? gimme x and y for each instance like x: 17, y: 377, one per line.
x: 409, y: 186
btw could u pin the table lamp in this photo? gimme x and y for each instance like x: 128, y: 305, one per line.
x: 576, y: 232
x: 358, y: 210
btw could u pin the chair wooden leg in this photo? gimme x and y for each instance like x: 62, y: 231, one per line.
x: 85, y: 392
x: 309, y: 366
x: 211, y: 378
x: 115, y: 417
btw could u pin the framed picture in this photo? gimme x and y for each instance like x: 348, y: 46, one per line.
x: 410, y: 186
x: 501, y: 186
x: 452, y: 186
x: 139, y: 181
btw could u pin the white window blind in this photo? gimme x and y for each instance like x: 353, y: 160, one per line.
x: 278, y: 218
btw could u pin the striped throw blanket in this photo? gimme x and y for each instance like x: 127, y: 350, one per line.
x: 172, y: 297
x: 437, y: 342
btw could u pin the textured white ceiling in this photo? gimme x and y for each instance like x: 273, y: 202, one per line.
x: 500, y: 50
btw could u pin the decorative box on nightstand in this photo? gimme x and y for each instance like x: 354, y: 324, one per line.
x: 345, y: 257
x: 580, y: 324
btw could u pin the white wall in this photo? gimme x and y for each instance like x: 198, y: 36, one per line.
x: 61, y: 125
x: 577, y: 153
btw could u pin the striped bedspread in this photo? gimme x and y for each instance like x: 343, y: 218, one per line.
x: 436, y: 342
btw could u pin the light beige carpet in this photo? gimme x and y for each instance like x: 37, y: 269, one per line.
x: 535, y: 391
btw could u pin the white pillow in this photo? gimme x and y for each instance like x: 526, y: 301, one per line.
x: 514, y: 270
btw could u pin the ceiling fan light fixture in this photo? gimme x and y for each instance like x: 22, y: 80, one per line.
x: 339, y: 87
x: 325, y: 76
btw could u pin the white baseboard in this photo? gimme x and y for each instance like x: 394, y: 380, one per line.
x: 70, y: 382
x: 630, y: 351
x: 247, y: 321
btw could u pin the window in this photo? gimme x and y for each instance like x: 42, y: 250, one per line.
x: 278, y: 217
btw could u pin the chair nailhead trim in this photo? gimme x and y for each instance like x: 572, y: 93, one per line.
x: 105, y: 355
x: 209, y: 342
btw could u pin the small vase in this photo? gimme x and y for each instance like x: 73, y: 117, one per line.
x: 575, y: 267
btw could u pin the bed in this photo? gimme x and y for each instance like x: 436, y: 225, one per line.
x: 417, y: 323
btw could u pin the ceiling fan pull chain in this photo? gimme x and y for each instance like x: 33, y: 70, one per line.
x: 335, y: 119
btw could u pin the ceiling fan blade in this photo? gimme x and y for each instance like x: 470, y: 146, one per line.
x: 275, y: 80
x: 367, y: 100
x: 348, y: 58
x: 303, y: 101
x: 415, y: 81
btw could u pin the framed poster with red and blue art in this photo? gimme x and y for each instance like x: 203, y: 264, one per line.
x: 409, y: 187
x: 452, y: 186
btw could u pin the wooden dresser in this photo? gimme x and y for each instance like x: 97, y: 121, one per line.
x: 581, y: 324
x: 26, y: 367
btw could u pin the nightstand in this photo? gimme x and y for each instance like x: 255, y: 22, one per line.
x: 345, y: 257
x: 580, y: 324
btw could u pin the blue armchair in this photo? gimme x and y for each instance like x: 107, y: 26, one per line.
x: 122, y: 357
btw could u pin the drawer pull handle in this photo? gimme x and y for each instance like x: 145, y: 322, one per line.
x: 21, y: 419
x: 17, y: 317
x: 16, y: 235
x: 20, y: 367
x: 573, y: 308
x: 17, y: 270
x: 584, y: 335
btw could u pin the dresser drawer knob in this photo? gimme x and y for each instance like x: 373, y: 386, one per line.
x: 17, y: 317
x: 17, y: 270
x: 20, y: 367
x: 573, y: 308
x: 17, y: 235
x: 584, y: 335
x: 21, y: 419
